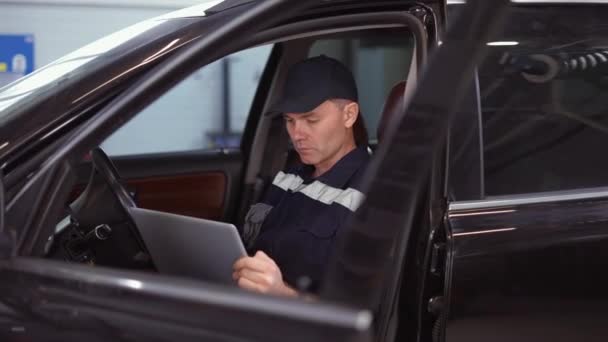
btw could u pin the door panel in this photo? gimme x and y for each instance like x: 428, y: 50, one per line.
x: 529, y: 270
x: 202, y: 184
x: 200, y: 195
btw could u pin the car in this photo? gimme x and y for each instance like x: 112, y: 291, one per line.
x: 485, y: 212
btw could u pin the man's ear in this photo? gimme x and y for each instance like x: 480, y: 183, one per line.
x: 351, y: 112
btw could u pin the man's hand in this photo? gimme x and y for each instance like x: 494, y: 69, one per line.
x: 261, y: 274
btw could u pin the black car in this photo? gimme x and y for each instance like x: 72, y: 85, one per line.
x: 486, y: 211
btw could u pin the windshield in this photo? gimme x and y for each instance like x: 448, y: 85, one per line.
x: 68, y: 66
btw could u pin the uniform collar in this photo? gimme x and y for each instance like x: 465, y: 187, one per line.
x: 341, y: 173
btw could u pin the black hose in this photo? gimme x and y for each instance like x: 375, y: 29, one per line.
x: 543, y: 67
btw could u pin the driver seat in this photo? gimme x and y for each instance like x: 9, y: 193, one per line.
x: 393, y: 104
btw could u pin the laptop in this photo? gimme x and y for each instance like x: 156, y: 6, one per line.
x: 188, y: 246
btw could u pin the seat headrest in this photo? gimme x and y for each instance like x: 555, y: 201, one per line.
x: 392, y: 105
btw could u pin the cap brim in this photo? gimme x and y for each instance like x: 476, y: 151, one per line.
x: 299, y: 105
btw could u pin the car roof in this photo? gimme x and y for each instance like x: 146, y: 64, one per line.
x: 222, y: 5
x: 206, y: 8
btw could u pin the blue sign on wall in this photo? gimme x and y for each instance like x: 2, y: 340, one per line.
x: 17, y: 54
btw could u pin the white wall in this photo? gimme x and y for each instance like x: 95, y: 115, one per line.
x: 183, y: 118
x: 60, y: 29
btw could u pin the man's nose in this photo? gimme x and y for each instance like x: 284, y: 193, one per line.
x: 298, y: 131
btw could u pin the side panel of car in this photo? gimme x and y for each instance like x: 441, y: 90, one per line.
x: 529, y: 272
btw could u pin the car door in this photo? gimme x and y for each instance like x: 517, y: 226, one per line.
x: 54, y: 298
x: 97, y: 303
x: 528, y: 235
x: 393, y: 259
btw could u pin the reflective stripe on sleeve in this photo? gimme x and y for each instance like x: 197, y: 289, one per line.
x: 287, y: 181
x: 349, y: 198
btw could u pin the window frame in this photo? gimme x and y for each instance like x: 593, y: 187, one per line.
x: 339, y: 24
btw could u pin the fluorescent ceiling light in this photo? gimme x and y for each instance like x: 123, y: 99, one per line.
x: 505, y: 43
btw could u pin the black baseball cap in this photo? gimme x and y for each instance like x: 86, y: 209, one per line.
x: 313, y: 81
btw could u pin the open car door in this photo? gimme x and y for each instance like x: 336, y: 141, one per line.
x: 392, y: 260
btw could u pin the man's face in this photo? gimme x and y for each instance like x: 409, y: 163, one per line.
x: 320, y: 135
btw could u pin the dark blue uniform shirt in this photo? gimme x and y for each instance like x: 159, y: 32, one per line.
x: 297, y: 221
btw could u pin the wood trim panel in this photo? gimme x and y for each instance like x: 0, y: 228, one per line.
x: 198, y: 195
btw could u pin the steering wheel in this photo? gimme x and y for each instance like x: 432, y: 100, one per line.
x: 107, y: 170
x: 103, y: 212
x: 108, y: 173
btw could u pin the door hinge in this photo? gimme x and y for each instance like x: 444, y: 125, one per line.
x: 437, y: 258
x: 423, y: 14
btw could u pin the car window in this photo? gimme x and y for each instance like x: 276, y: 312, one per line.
x: 207, y: 110
x: 379, y: 59
x: 544, y: 101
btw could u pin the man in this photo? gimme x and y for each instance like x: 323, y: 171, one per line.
x: 292, y: 231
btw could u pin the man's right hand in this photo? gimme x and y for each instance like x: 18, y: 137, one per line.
x: 261, y: 274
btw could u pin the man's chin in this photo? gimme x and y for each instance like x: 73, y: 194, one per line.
x: 307, y: 160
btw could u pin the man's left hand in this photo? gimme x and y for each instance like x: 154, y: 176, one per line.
x: 261, y: 274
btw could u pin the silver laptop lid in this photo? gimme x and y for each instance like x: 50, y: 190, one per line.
x: 188, y: 246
